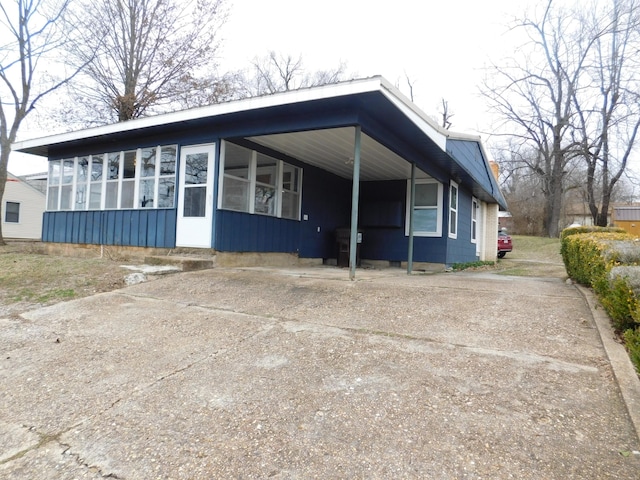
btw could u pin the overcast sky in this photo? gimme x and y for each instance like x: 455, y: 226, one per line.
x: 442, y: 47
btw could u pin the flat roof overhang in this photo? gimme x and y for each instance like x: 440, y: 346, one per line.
x: 316, y: 126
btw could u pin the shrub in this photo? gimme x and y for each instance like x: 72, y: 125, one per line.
x: 606, y: 260
x: 632, y: 342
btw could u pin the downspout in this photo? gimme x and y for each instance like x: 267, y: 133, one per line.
x: 355, y: 196
x: 412, y: 202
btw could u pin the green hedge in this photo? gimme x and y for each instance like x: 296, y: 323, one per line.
x: 608, y: 261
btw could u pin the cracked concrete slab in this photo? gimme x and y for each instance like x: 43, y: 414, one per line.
x: 299, y: 373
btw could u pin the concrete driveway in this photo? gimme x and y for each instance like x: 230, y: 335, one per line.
x: 299, y: 373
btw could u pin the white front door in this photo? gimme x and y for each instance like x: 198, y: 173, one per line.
x: 195, y: 198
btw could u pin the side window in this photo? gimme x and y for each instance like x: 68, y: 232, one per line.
x: 427, y: 211
x: 12, y: 212
x: 475, y: 209
x: 453, y: 210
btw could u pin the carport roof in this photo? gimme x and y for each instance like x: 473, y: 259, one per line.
x: 315, y: 125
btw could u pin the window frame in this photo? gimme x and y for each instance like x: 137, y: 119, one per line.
x: 252, y: 183
x: 56, y: 183
x: 438, y: 207
x: 453, y: 209
x: 475, y: 210
x: 6, y: 212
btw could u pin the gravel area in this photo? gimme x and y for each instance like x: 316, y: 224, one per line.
x: 300, y: 373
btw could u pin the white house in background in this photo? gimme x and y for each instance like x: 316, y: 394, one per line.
x: 22, y: 208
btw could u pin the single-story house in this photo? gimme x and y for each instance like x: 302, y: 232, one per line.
x: 21, y: 210
x: 280, y: 173
x: 627, y: 217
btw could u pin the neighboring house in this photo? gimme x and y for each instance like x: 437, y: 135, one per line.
x: 627, y: 217
x: 276, y: 174
x: 578, y: 212
x: 22, y: 209
x: 37, y: 181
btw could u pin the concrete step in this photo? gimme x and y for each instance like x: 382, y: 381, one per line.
x: 183, y: 262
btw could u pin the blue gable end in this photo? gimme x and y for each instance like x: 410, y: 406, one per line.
x: 474, y: 170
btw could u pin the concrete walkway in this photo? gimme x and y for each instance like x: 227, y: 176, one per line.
x: 297, y: 374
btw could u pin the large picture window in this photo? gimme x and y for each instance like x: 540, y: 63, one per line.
x: 427, y: 211
x: 142, y: 178
x: 256, y: 183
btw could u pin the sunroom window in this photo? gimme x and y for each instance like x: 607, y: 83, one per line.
x: 257, y: 183
x: 114, y: 180
x: 82, y: 175
x: 236, y: 182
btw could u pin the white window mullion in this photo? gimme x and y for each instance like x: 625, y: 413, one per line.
x: 136, y: 179
x: 74, y: 183
x: 279, y: 189
x: 120, y: 175
x: 103, y: 189
x: 156, y: 179
x: 252, y: 181
x: 299, y: 193
x: 221, y: 173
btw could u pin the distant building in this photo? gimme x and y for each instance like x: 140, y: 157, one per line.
x: 22, y: 208
x: 627, y: 217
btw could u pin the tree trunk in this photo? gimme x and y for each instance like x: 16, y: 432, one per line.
x: 4, y: 161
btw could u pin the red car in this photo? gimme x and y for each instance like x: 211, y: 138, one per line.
x: 504, y: 244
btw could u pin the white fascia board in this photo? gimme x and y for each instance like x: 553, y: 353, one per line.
x: 417, y: 116
x: 234, y: 106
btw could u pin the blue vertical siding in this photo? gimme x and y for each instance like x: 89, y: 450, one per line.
x: 384, y: 238
x: 137, y: 228
x: 243, y: 232
x: 460, y: 249
x: 326, y: 201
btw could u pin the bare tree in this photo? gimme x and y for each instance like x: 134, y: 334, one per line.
x: 31, y: 34
x: 608, y: 115
x: 145, y: 56
x: 280, y: 73
x: 446, y: 115
x: 535, y: 97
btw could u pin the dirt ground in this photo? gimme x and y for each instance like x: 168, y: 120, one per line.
x: 29, y: 278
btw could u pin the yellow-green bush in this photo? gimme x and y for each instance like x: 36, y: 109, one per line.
x: 608, y: 260
x: 632, y: 342
x: 588, y: 257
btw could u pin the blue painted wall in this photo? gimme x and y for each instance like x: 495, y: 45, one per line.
x: 389, y: 242
x: 139, y: 228
x: 460, y: 249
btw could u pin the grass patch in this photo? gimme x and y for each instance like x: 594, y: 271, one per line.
x: 35, y: 278
x: 472, y: 265
x: 516, y: 272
